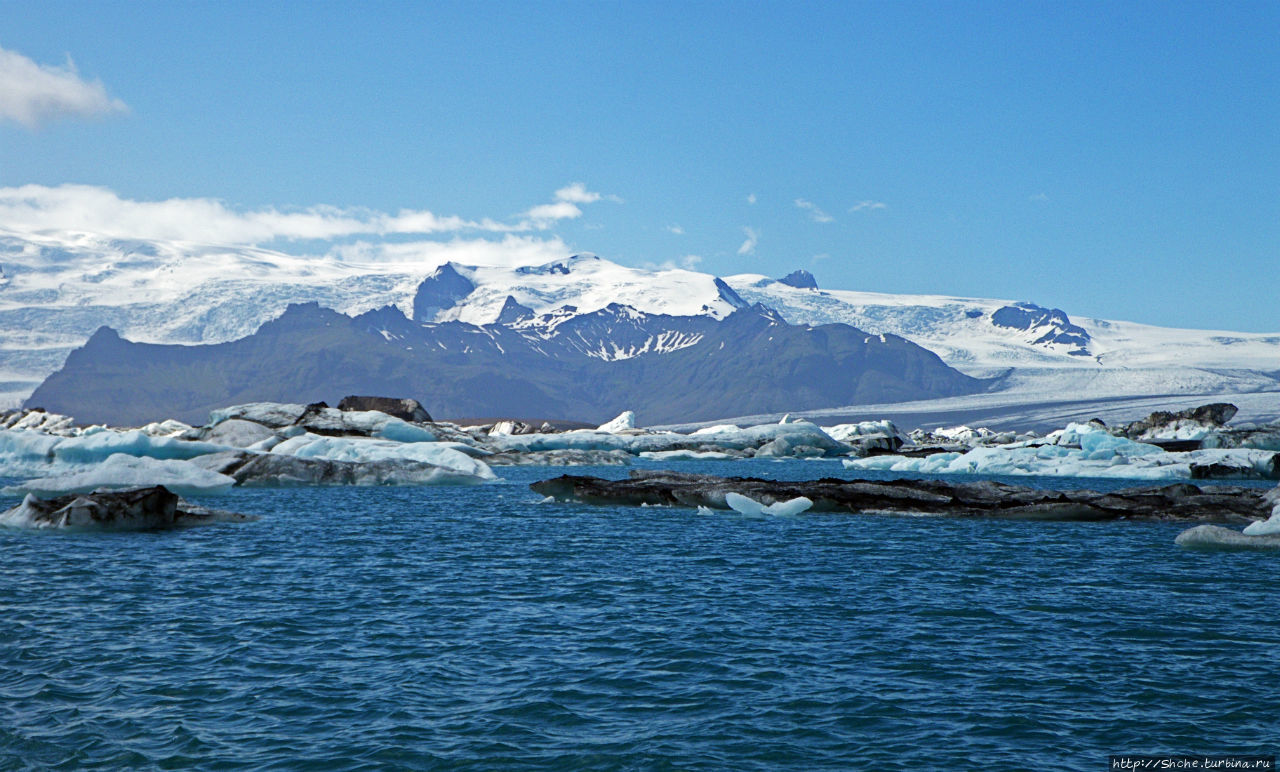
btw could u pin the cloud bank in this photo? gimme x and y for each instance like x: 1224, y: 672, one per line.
x: 87, y: 208
x: 32, y: 94
x: 749, y: 246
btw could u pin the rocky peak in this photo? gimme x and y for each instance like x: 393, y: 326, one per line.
x: 440, y: 291
x: 513, y: 312
x: 800, y: 279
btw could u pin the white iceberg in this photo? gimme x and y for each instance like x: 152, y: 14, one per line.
x: 91, y: 448
x: 1082, y: 450
x: 625, y: 421
x: 688, y: 455
x: 365, y: 450
x: 800, y: 434
x: 124, y: 471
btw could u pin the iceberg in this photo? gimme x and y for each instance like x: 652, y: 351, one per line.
x: 271, y: 469
x: 366, y: 450
x: 276, y: 415
x: 1217, y: 537
x: 139, y: 508
x: 724, y: 438
x: 626, y: 421
x: 120, y: 471
x: 1084, y: 450
x: 240, y: 433
x: 91, y: 448
x: 1272, y: 524
x: 688, y: 455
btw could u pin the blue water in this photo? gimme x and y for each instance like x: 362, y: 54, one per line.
x: 476, y: 628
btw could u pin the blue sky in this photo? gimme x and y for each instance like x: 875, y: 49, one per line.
x: 1119, y: 160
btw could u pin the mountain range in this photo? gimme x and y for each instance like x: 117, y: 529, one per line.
x: 57, y: 290
x: 585, y: 366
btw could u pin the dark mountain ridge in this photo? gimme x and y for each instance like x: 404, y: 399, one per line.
x: 583, y: 366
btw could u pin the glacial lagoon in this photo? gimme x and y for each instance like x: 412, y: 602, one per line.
x: 478, y: 627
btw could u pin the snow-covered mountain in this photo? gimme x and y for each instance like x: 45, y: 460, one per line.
x: 56, y: 290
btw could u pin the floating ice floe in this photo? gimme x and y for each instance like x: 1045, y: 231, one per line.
x: 139, y: 508
x: 749, y: 506
x: 38, y: 421
x: 1083, y: 450
x: 250, y: 440
x: 120, y: 471
x: 1270, y: 526
x: 1217, y: 537
x: 688, y: 455
x: 447, y: 456
x: 800, y: 438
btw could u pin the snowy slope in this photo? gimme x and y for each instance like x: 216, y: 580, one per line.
x: 960, y: 330
x: 587, y: 283
x: 56, y: 290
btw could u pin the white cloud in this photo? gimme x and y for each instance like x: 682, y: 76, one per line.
x: 543, y: 215
x: 821, y: 256
x: 1041, y: 197
x: 31, y: 94
x: 87, y: 208
x: 749, y: 246
x: 686, y: 263
x: 93, y: 209
x: 676, y: 229
x: 868, y: 206
x: 577, y: 193
x: 816, y: 214
x: 751, y: 198
x: 507, y: 252
x: 565, y: 206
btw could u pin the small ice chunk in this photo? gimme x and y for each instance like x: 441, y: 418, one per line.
x: 743, y: 504
x: 749, y: 506
x: 1272, y: 524
x: 791, y: 507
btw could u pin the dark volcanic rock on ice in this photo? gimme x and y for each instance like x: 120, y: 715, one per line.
x: 404, y: 409
x: 1211, y: 416
x: 935, y: 497
x: 135, y: 509
x: 270, y: 469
